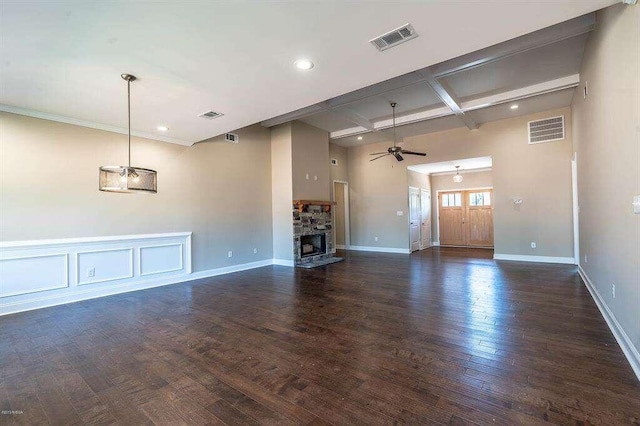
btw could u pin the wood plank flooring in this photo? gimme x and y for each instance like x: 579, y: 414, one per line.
x: 443, y: 336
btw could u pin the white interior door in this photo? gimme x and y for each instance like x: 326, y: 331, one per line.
x: 425, y: 224
x: 414, y: 218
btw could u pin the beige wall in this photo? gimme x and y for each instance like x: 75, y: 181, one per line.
x: 49, y: 189
x: 282, y: 190
x: 310, y: 156
x: 418, y: 180
x: 539, y: 174
x: 470, y: 180
x: 341, y: 170
x: 607, y: 140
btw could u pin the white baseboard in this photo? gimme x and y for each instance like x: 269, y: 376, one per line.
x: 540, y: 259
x: 341, y: 247
x: 282, y: 262
x: 435, y: 243
x: 630, y: 351
x: 44, y: 301
x: 380, y: 249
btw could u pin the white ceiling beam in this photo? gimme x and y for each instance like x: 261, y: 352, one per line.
x: 479, y: 103
x: 534, y: 40
x: 400, y: 121
x: 523, y: 93
x: 293, y: 115
x: 448, y: 98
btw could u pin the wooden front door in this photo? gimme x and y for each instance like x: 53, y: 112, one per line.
x: 452, y: 210
x: 466, y: 218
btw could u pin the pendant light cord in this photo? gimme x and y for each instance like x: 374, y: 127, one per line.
x: 129, y: 116
x: 393, y: 108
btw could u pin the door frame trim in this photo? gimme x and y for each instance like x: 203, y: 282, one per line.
x: 347, y: 225
x: 454, y: 190
x: 422, y: 247
x: 409, y: 218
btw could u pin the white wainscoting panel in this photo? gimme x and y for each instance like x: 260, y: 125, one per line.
x: 32, y: 274
x: 160, y: 259
x: 107, y: 265
x: 35, y: 274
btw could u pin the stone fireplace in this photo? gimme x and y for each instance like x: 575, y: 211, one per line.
x: 312, y: 233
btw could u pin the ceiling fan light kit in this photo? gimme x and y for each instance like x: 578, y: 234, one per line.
x: 395, y: 150
x: 128, y: 179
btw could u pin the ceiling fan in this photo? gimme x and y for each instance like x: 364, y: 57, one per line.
x: 395, y: 150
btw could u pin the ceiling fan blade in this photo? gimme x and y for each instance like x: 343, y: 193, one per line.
x: 374, y: 159
x: 398, y: 156
x: 414, y: 153
x: 378, y: 153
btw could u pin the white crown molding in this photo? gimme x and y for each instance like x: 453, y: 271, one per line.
x: 629, y: 350
x: 89, y: 124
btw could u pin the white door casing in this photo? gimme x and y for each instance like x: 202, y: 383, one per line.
x: 414, y: 218
x: 425, y: 216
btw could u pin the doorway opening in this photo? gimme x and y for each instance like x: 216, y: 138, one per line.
x: 341, y: 237
x: 451, y: 204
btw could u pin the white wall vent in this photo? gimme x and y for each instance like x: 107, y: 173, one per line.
x: 394, y: 37
x: 231, y: 137
x: 210, y: 115
x: 547, y: 130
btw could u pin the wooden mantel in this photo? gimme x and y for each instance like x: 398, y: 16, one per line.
x: 299, y: 204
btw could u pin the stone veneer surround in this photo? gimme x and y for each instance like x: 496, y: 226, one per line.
x: 311, y: 218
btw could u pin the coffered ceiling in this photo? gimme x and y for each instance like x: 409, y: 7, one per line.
x: 62, y: 60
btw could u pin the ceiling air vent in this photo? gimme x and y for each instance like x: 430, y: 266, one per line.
x: 231, y: 137
x: 210, y: 115
x: 547, y: 130
x: 394, y: 37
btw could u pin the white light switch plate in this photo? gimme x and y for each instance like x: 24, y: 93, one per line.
x: 400, y: 213
x: 636, y: 204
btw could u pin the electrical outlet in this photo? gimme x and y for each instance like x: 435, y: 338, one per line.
x: 255, y: 251
x: 91, y: 272
x: 586, y: 259
x: 307, y: 176
x: 613, y: 290
x: 375, y: 238
x: 400, y: 213
x: 315, y: 178
x: 230, y: 254
x: 533, y: 244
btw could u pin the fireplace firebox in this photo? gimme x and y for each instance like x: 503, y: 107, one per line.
x: 312, y: 245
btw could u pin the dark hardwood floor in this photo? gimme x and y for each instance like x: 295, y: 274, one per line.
x: 442, y: 336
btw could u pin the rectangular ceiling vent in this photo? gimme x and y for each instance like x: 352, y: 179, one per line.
x: 547, y: 130
x: 210, y: 115
x: 231, y: 137
x: 394, y: 37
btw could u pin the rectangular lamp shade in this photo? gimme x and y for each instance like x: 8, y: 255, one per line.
x: 128, y: 179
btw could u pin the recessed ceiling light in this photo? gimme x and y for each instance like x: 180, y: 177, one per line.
x: 359, y: 138
x: 303, y: 64
x: 514, y: 106
x: 162, y: 128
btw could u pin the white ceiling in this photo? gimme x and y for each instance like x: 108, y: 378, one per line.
x: 63, y: 59
x: 466, y: 164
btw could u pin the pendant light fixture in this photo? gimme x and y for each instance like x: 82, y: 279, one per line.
x: 128, y: 178
x: 457, y: 178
